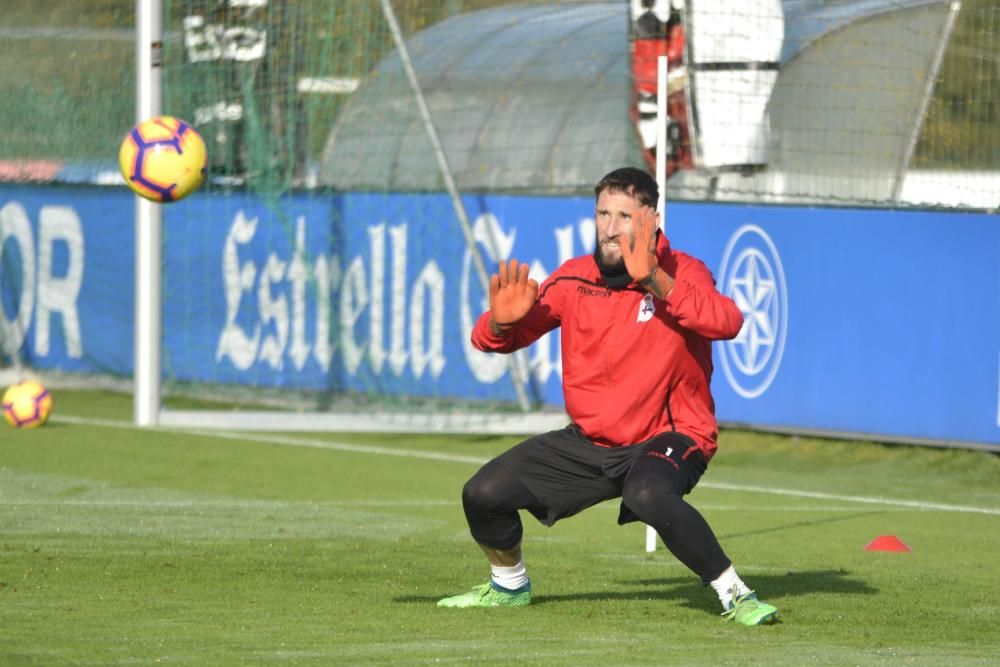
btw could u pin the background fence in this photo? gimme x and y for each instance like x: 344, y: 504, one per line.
x: 269, y: 81
x: 323, y: 258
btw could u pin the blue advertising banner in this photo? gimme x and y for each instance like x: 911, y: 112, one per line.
x: 867, y: 321
x: 368, y: 293
x: 66, y: 286
x: 857, y: 320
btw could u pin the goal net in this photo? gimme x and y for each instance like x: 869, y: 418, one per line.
x: 357, y: 212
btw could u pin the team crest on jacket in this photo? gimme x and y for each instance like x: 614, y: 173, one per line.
x: 646, y: 309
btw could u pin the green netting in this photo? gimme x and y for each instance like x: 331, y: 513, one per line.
x: 963, y: 123
x: 268, y: 107
x: 66, y: 80
x: 266, y: 81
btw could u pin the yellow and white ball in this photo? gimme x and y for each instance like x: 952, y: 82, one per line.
x: 163, y: 159
x: 27, y: 404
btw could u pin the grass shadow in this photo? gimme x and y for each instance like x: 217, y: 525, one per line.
x: 690, y: 593
x: 771, y: 586
x: 800, y: 524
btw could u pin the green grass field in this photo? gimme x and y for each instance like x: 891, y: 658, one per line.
x: 121, y: 546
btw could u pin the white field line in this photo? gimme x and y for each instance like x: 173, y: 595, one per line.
x: 272, y: 439
x: 458, y: 458
x: 206, y: 505
x: 868, y: 500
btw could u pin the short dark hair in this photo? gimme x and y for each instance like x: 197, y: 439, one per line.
x: 631, y: 181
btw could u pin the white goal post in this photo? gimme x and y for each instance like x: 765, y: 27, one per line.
x: 148, y: 222
x: 662, y: 120
x: 148, y: 381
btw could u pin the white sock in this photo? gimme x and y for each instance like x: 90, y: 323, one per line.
x: 511, y: 578
x: 728, y: 583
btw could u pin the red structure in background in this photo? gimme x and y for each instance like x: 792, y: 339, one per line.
x: 652, y: 38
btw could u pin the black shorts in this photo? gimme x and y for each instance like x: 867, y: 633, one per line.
x: 568, y: 473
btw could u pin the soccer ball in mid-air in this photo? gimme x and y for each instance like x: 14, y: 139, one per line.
x: 27, y: 404
x: 163, y: 159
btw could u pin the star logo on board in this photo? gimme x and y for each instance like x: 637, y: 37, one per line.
x: 753, y: 277
x: 753, y: 289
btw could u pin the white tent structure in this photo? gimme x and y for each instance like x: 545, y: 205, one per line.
x: 530, y: 98
x: 536, y: 99
x: 848, y: 105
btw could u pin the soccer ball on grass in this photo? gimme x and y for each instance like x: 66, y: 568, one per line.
x: 163, y: 159
x: 27, y: 404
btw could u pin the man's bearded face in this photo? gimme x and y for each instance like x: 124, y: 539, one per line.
x: 613, y: 215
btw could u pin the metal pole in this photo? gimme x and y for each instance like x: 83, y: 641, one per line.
x: 918, y: 119
x: 662, y: 119
x: 148, y: 222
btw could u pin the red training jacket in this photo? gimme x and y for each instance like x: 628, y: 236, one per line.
x: 633, y: 366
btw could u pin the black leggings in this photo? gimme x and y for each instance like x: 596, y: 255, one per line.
x: 651, y: 491
x: 681, y: 527
x: 491, y: 500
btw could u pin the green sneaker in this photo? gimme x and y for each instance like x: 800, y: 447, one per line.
x: 748, y: 610
x: 487, y: 596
